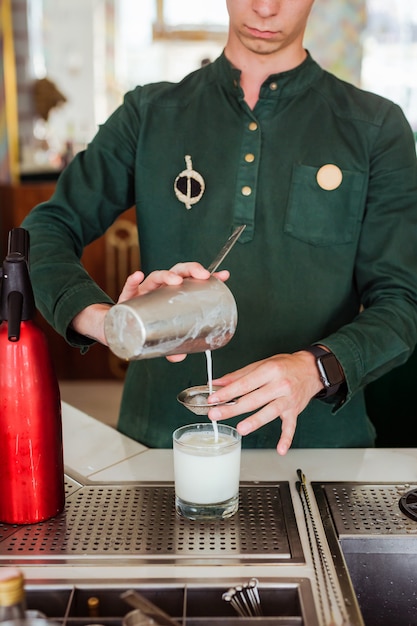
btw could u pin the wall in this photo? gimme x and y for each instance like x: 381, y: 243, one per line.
x: 26, y: 111
x: 8, y: 101
x: 334, y: 36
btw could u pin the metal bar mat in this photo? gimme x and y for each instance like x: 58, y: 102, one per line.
x: 139, y: 521
x: 367, y: 509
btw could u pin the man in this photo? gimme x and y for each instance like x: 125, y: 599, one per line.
x: 325, y: 274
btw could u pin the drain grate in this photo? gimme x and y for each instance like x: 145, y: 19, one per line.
x: 368, y: 509
x: 131, y: 521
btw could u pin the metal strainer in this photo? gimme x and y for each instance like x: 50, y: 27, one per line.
x: 195, y: 399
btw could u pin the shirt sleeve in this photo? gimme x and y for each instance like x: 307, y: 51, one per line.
x: 384, y: 333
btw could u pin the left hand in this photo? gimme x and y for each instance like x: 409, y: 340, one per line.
x: 280, y: 386
x: 174, y: 276
x: 137, y: 285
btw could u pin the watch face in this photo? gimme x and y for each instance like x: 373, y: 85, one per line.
x: 330, y: 370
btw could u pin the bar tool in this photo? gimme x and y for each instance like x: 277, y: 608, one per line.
x: 245, y: 599
x: 137, y: 618
x: 195, y: 399
x: 137, y: 601
x: 31, y: 453
x: 196, y: 316
x: 226, y: 248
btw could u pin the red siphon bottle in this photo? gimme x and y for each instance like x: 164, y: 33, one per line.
x: 31, y: 453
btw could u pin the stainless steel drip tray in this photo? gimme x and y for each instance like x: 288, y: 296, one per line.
x: 368, y: 510
x: 134, y: 523
x: 379, y: 546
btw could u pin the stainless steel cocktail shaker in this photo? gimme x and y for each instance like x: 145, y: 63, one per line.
x: 196, y: 316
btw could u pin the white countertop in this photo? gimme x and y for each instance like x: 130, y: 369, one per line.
x: 99, y: 453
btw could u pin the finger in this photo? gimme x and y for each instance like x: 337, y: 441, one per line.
x: 289, y: 423
x: 191, y: 270
x: 176, y: 358
x: 227, y: 380
x: 157, y: 279
x: 196, y: 270
x: 244, y: 404
x: 130, y: 288
x: 267, y: 414
x: 164, y: 277
x: 259, y: 419
x: 239, y: 383
x: 223, y: 275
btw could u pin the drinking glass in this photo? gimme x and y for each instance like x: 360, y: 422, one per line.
x: 207, y: 471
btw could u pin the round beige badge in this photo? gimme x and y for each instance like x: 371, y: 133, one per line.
x: 329, y: 177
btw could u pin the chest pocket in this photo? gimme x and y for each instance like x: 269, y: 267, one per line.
x: 320, y: 216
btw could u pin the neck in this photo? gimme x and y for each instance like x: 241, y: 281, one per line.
x: 255, y: 68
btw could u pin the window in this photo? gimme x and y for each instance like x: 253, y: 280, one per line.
x: 189, y: 19
x: 389, y: 65
x: 166, y: 39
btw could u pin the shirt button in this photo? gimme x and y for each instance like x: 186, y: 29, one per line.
x: 249, y: 158
x: 253, y: 126
x: 273, y: 86
x: 246, y: 191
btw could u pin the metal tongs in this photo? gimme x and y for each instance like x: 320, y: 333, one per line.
x: 148, y: 608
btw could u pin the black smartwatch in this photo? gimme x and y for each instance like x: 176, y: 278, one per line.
x: 331, y: 374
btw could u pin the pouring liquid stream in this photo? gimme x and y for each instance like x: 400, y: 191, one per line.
x: 210, y: 386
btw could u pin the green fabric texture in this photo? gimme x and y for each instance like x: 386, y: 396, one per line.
x: 337, y: 266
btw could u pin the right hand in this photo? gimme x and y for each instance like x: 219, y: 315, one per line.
x: 280, y: 387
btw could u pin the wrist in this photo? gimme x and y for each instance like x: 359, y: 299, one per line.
x: 329, y: 370
x: 90, y: 322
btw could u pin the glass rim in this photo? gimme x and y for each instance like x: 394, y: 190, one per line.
x: 206, y: 426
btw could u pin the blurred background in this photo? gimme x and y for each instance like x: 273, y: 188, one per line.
x: 75, y: 60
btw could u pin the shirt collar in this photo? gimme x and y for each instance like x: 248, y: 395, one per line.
x: 285, y: 83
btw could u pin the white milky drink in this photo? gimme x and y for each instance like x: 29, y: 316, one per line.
x: 206, y: 471
x: 207, y: 474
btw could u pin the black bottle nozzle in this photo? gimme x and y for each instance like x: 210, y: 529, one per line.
x: 15, y: 309
x: 17, y: 302
x: 18, y: 242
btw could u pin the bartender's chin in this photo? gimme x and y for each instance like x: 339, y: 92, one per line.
x: 262, y: 46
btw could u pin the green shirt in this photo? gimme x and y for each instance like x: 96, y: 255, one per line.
x: 336, y: 266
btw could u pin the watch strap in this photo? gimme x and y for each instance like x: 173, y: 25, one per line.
x: 329, y: 389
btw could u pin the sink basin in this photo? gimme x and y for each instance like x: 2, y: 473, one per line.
x: 384, y: 576
x: 379, y: 547
x: 288, y: 603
